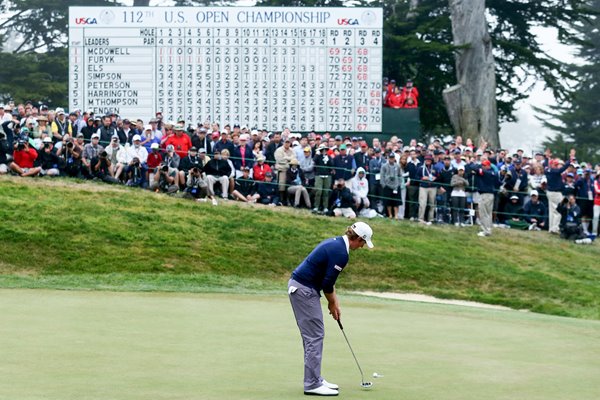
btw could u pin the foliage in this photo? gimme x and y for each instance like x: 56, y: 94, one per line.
x: 577, y: 121
x: 67, y: 235
x: 39, y: 76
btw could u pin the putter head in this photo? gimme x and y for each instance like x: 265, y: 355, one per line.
x: 366, y: 385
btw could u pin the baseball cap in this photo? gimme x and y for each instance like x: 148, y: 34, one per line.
x: 307, y: 149
x: 343, y: 147
x: 170, y: 148
x: 148, y: 128
x: 487, y: 163
x: 193, y: 148
x: 95, y: 136
x: 137, y: 138
x: 514, y: 197
x: 154, y: 146
x: 80, y: 134
x: 534, y: 193
x: 364, y: 231
x: 202, y: 150
x: 47, y: 139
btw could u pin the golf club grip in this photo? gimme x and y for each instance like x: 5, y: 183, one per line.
x: 339, y: 321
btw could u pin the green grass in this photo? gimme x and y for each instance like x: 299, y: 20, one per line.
x: 65, y: 234
x: 59, y: 345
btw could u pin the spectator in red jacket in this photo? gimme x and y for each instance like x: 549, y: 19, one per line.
x: 260, y: 169
x: 395, y: 99
x: 389, y: 92
x: 410, y: 91
x: 409, y: 102
x: 23, y: 159
x: 180, y: 141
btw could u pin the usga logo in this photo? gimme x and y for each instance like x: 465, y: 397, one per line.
x: 347, y: 21
x: 85, y: 21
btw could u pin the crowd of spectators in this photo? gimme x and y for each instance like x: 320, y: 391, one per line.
x: 395, y: 96
x: 439, y: 182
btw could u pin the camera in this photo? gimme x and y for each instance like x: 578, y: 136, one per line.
x: 20, y: 145
x: 104, y: 154
x: 69, y: 145
x: 339, y: 186
x: 195, y: 171
x: 47, y: 145
x: 164, y: 168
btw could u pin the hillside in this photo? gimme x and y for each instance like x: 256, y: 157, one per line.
x: 67, y: 234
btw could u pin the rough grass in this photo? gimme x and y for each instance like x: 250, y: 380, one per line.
x: 71, y: 235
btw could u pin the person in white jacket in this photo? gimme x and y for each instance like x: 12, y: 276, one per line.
x: 117, y: 156
x: 360, y: 189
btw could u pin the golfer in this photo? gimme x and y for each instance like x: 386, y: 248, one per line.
x: 317, y: 272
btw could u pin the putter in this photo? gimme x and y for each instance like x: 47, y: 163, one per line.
x: 363, y: 384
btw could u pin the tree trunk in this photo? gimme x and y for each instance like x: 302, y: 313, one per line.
x: 471, y: 104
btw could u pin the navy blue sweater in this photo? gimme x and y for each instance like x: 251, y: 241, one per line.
x: 487, y: 181
x: 554, y: 177
x: 321, y: 267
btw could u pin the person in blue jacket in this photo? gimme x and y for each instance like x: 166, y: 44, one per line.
x: 319, y: 272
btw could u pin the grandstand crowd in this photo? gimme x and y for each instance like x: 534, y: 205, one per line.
x: 452, y: 182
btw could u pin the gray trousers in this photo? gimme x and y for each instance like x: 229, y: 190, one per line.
x: 486, y: 206
x: 306, y: 304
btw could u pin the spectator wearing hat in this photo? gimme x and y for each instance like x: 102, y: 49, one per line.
x: 195, y: 185
x: 427, y: 177
x: 458, y: 196
x: 90, y: 152
x: 487, y: 182
x: 224, y: 143
x: 217, y: 170
x: 360, y: 189
x: 187, y: 163
x: 555, y: 195
x: 107, y: 130
x: 269, y: 191
x: 409, y: 91
x: 165, y: 180
x: 323, y: 173
x: 296, y: 184
x: 43, y: 129
x: 246, y: 189
x: 283, y: 156
x: 569, y: 185
x: 171, y: 158
x: 61, y: 126
x: 584, y: 190
x: 158, y: 126
x: 153, y: 162
x: 200, y: 138
x: 344, y: 164
x: 242, y: 155
x: 518, y: 182
x: 361, y: 157
x: 391, y: 183
x: 307, y: 165
x: 101, y: 168
x: 514, y: 215
x: 117, y: 156
x: 260, y: 169
x: 374, y: 177
x: 179, y: 140
x: 535, y: 213
x: 137, y: 157
x: 149, y: 138
x: 570, y: 222
x: 47, y: 159
x: 215, y: 137
x: 412, y: 190
x: 89, y: 129
x: 341, y: 201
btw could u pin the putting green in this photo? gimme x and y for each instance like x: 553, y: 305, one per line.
x: 104, y: 345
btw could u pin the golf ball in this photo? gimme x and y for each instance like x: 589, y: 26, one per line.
x: 376, y: 375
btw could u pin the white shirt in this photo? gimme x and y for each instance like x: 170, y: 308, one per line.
x: 347, y: 243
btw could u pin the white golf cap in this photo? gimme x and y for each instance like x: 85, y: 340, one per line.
x: 364, y: 231
x: 95, y: 136
x: 136, y: 138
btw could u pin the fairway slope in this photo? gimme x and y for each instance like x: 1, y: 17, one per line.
x: 67, y: 234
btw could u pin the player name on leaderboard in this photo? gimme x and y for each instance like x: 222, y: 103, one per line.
x: 301, y: 68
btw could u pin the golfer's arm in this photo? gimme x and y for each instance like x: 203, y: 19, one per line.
x: 334, y: 306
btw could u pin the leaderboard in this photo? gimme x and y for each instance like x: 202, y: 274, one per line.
x: 268, y: 68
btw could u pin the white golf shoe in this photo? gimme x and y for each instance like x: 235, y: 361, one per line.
x: 330, y: 385
x: 321, y: 391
